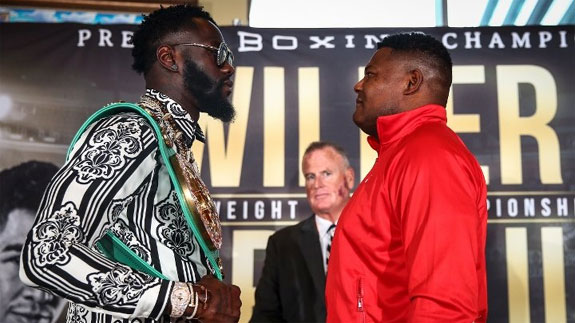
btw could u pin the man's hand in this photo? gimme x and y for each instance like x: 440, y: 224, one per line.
x: 223, y: 303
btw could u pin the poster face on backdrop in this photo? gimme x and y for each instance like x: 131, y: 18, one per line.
x: 512, y: 103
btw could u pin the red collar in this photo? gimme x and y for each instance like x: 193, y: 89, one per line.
x: 393, y: 127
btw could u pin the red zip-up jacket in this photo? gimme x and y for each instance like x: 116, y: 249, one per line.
x: 410, y: 244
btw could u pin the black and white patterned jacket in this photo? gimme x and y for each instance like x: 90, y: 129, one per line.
x: 115, y: 179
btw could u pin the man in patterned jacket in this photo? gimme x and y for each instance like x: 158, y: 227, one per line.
x: 115, y: 182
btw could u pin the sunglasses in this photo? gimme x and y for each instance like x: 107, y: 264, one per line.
x: 223, y: 52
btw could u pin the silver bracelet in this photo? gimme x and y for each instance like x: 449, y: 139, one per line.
x: 194, y: 300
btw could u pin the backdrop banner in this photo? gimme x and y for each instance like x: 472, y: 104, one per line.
x: 512, y: 102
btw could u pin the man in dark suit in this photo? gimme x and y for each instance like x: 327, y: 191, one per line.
x: 291, y: 288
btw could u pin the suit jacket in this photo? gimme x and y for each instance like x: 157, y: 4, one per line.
x: 292, y: 285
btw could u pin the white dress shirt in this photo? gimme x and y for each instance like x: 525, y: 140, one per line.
x: 324, y: 237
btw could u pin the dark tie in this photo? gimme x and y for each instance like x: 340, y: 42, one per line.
x: 331, y: 232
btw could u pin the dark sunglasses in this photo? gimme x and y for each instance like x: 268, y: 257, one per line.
x: 222, y: 52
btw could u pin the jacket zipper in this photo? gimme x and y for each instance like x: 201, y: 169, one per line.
x: 360, y: 303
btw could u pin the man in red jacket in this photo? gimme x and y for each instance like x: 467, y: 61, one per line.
x: 410, y: 242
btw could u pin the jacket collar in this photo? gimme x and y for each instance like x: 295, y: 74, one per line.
x: 393, y: 127
x: 189, y: 127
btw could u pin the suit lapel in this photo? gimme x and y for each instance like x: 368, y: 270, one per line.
x: 311, y: 250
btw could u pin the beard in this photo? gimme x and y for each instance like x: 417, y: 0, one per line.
x: 208, y: 93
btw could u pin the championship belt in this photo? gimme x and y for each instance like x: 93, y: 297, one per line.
x: 195, y: 201
x: 196, y: 195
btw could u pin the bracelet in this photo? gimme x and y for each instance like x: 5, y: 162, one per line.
x: 195, y: 306
x: 179, y: 299
x: 204, y: 300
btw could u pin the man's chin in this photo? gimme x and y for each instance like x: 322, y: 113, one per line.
x: 322, y: 207
x: 357, y: 120
x: 228, y: 118
x: 369, y: 129
x: 224, y: 112
x: 217, y: 105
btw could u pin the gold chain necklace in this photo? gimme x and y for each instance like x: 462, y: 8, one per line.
x: 196, y: 194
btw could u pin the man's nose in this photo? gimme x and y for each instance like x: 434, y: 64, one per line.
x: 358, y: 86
x: 228, y: 69
x: 318, y: 182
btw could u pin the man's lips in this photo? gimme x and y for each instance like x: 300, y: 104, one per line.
x: 228, y: 86
x: 321, y: 195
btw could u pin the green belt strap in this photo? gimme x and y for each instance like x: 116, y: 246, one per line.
x: 110, y: 245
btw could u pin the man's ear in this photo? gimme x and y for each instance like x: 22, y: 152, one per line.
x: 349, y: 178
x: 165, y: 56
x: 413, y: 82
